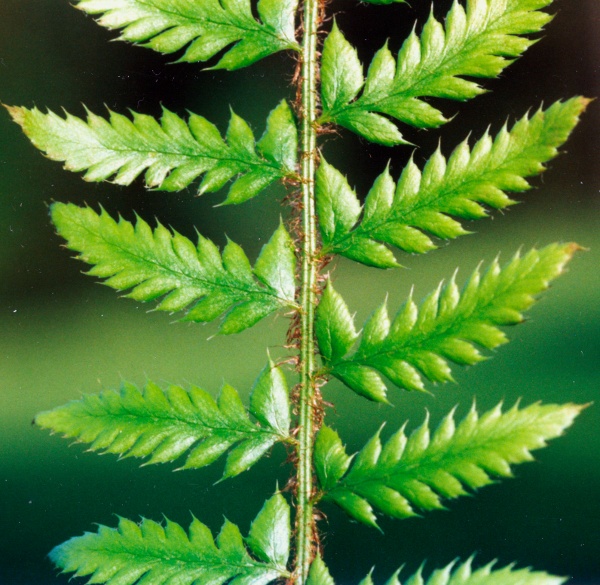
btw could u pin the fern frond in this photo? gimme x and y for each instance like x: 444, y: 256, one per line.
x: 406, y: 475
x: 158, y: 263
x: 151, y: 553
x: 166, y: 424
x: 451, y: 574
x: 479, y: 41
x: 422, y: 203
x: 171, y: 152
x: 204, y: 28
x: 419, y: 342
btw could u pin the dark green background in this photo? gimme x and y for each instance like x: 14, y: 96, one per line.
x: 62, y: 334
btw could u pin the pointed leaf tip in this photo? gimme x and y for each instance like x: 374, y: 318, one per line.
x: 319, y: 573
x: 269, y: 400
x: 334, y: 326
x: 270, y: 532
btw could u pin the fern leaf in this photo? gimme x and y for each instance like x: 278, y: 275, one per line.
x: 171, y: 152
x: 163, y: 425
x: 152, y: 553
x: 406, y: 475
x: 422, y: 203
x: 419, y: 342
x: 160, y: 263
x: 203, y: 28
x: 451, y: 574
x: 479, y: 41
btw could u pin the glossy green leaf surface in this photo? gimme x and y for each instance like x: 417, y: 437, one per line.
x: 159, y: 554
x: 407, y: 475
x: 424, y: 203
x: 164, y: 425
x: 478, y: 41
x: 203, y: 28
x: 419, y: 342
x: 334, y: 326
x: 160, y: 263
x: 319, y: 573
x: 171, y: 152
x: 452, y: 574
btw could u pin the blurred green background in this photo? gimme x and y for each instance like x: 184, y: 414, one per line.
x: 64, y: 335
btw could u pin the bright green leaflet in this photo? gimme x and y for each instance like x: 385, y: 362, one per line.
x: 420, y: 341
x: 477, y: 42
x: 165, y: 425
x: 421, y: 204
x: 205, y: 28
x: 160, y: 263
x: 172, y: 153
x: 166, y: 554
x: 406, y: 475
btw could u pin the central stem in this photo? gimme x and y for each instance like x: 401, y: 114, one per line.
x: 304, y: 523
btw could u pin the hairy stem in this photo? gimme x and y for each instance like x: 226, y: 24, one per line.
x: 305, y: 527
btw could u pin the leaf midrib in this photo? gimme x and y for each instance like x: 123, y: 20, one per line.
x: 171, y: 419
x: 185, y: 559
x: 171, y: 422
x: 263, y: 162
x: 430, y: 460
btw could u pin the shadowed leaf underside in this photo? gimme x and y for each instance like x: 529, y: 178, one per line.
x: 452, y: 574
x: 161, y: 263
x: 411, y: 474
x: 164, y: 425
x: 170, y: 152
x: 159, y: 554
x: 424, y: 203
x: 420, y: 341
x: 477, y: 41
x: 204, y: 28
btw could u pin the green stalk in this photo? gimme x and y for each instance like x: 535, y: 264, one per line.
x: 305, y: 527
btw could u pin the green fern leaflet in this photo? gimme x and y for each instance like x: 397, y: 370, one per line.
x: 419, y: 342
x: 164, y: 425
x: 166, y: 554
x: 479, y: 41
x: 160, y: 263
x: 451, y: 574
x: 172, y: 153
x: 422, y: 203
x: 407, y: 475
x: 205, y: 28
